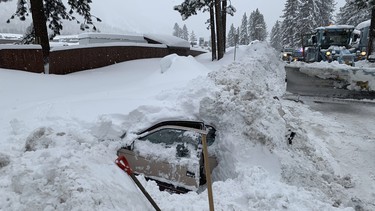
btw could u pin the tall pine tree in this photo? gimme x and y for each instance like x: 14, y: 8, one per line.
x: 275, y: 36
x: 308, y: 20
x: 257, y: 26
x: 193, y: 39
x: 289, y: 30
x: 176, y: 30
x: 244, y: 36
x: 351, y: 14
x: 218, y: 10
x: 185, y: 33
x: 231, y: 36
x: 52, y: 13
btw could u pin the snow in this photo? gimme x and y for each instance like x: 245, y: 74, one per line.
x: 114, y: 37
x: 12, y: 46
x: 363, y: 24
x: 336, y: 27
x: 362, y: 73
x: 60, y: 133
x: 56, y: 47
x: 168, y: 40
x: 10, y: 36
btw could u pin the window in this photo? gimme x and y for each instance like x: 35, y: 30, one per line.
x: 172, y: 136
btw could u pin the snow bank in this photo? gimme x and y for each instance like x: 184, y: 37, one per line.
x: 54, y: 157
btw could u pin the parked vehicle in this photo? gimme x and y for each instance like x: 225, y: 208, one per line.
x: 286, y: 54
x: 329, y: 44
x: 170, y: 153
x: 297, y: 55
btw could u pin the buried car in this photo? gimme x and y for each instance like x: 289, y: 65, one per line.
x: 171, y: 153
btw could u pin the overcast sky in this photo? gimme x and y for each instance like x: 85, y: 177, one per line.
x: 150, y: 16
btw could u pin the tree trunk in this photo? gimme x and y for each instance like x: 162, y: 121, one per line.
x: 40, y: 27
x: 219, y: 30
x: 224, y: 22
x: 370, y: 45
x: 213, y: 34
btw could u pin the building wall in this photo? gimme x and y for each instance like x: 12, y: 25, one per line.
x: 70, y: 60
x: 30, y: 60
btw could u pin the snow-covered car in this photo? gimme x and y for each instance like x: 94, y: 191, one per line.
x: 170, y: 153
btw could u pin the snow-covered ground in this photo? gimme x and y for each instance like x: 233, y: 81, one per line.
x: 59, y: 137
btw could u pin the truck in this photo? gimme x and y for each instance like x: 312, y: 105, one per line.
x: 363, y: 31
x: 330, y: 43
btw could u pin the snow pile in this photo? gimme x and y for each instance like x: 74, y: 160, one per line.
x: 53, y: 156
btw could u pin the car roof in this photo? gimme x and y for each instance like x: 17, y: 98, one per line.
x: 183, y: 123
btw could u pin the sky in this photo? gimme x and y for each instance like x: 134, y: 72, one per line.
x: 60, y: 133
x: 156, y: 16
x: 148, y: 16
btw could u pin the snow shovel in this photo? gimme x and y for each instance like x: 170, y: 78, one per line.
x: 124, y: 165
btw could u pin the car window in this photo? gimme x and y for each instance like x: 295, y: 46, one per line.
x: 172, y: 136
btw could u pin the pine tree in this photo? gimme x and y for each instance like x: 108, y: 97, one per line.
x: 312, y: 14
x: 289, y: 30
x: 257, y: 26
x: 326, y: 9
x: 218, y: 10
x: 51, y: 12
x: 177, y: 30
x: 275, y: 36
x: 244, y: 36
x: 231, y: 36
x: 193, y: 39
x: 185, y: 33
x: 307, y: 20
x: 351, y: 14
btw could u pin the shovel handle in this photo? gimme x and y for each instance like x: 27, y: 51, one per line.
x: 124, y: 165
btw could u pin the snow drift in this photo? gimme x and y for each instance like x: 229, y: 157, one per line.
x: 54, y: 157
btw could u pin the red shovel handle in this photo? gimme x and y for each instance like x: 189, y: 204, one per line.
x: 124, y: 164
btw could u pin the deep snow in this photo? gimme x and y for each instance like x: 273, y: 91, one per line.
x: 59, y: 136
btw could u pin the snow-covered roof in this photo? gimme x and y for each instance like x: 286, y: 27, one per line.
x: 130, y: 38
x: 12, y: 46
x: 336, y: 27
x: 168, y: 40
x: 93, y: 45
x: 10, y: 36
x: 363, y: 24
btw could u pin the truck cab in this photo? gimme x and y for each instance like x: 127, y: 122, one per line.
x: 330, y: 43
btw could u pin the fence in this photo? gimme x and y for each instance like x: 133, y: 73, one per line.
x: 70, y: 59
